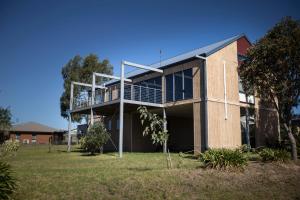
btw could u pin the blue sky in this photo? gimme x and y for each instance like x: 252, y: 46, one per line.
x: 38, y: 37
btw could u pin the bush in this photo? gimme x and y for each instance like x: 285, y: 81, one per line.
x: 96, y: 137
x: 7, y: 182
x: 271, y: 155
x: 9, y: 147
x: 82, y: 143
x: 223, y: 159
x: 245, y: 148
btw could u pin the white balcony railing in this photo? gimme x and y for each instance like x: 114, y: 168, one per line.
x: 131, y: 92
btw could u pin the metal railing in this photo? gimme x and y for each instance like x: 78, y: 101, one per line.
x: 131, y: 92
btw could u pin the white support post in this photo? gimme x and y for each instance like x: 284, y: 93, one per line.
x: 70, y: 119
x: 225, y: 90
x: 165, y: 129
x: 121, y: 111
x: 93, y: 98
x: 142, y: 66
x: 110, y: 76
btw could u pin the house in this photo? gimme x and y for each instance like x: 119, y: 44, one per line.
x: 198, y: 92
x: 35, y: 133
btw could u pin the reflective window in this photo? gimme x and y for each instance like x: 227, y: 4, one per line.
x: 181, y: 83
x: 188, y: 83
x: 169, y: 87
x: 178, y: 86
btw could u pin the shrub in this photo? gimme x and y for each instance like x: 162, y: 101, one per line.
x: 9, y: 147
x: 270, y: 155
x: 223, y: 159
x: 96, y: 137
x: 82, y: 143
x: 245, y: 148
x: 7, y: 182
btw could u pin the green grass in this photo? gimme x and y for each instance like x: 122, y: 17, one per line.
x: 62, y: 175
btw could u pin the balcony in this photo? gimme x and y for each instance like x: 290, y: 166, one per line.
x: 135, y: 94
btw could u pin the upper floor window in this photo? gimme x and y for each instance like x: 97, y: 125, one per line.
x: 118, y: 124
x: 179, y: 85
x: 169, y: 88
x: 109, y: 124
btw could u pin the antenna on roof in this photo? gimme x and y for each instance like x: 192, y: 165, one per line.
x: 160, y: 57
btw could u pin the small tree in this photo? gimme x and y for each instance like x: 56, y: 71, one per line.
x: 96, y: 137
x: 272, y: 70
x: 5, y: 119
x: 153, y: 125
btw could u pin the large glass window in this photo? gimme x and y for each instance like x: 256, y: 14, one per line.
x: 181, y: 83
x: 188, y: 83
x: 169, y: 88
x: 178, y: 86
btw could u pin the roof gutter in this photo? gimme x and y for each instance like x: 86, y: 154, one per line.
x: 205, y: 101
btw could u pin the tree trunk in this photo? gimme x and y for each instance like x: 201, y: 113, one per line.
x: 165, y: 146
x: 292, y: 141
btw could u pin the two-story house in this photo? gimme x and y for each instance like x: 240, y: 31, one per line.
x: 201, y: 95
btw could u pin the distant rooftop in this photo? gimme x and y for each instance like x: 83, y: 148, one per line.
x: 34, y: 127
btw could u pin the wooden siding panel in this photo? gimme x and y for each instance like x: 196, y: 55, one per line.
x: 223, y: 132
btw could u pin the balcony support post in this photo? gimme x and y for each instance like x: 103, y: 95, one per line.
x: 70, y: 118
x: 121, y: 111
x: 93, y: 98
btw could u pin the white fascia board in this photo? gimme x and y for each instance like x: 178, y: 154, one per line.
x: 201, y: 57
x: 142, y: 66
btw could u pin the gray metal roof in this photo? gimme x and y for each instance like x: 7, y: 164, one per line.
x: 33, y: 127
x: 204, y: 51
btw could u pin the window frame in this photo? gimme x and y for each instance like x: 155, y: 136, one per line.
x: 183, y: 95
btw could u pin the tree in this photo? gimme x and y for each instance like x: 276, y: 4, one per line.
x: 96, y: 137
x: 272, y: 70
x: 153, y: 125
x: 81, y: 70
x: 5, y: 119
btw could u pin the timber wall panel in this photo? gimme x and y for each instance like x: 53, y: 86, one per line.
x: 221, y: 132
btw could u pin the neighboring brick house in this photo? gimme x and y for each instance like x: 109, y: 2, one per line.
x: 201, y: 95
x: 35, y: 133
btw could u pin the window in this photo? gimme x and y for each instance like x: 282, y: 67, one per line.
x: 17, y: 136
x: 179, y: 85
x: 109, y: 125
x: 118, y: 124
x: 33, y: 138
x: 241, y: 89
x: 188, y: 83
x: 169, y: 88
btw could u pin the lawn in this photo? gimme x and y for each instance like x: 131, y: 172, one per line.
x: 62, y: 175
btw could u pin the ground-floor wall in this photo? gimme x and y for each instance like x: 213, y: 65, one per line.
x: 189, y: 133
x: 223, y: 131
x: 180, y: 131
x: 133, y: 139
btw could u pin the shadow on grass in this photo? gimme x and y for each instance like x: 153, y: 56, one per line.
x: 72, y: 151
x: 139, y: 169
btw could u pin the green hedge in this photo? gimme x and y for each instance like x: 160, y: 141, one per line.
x: 271, y: 155
x: 223, y: 159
